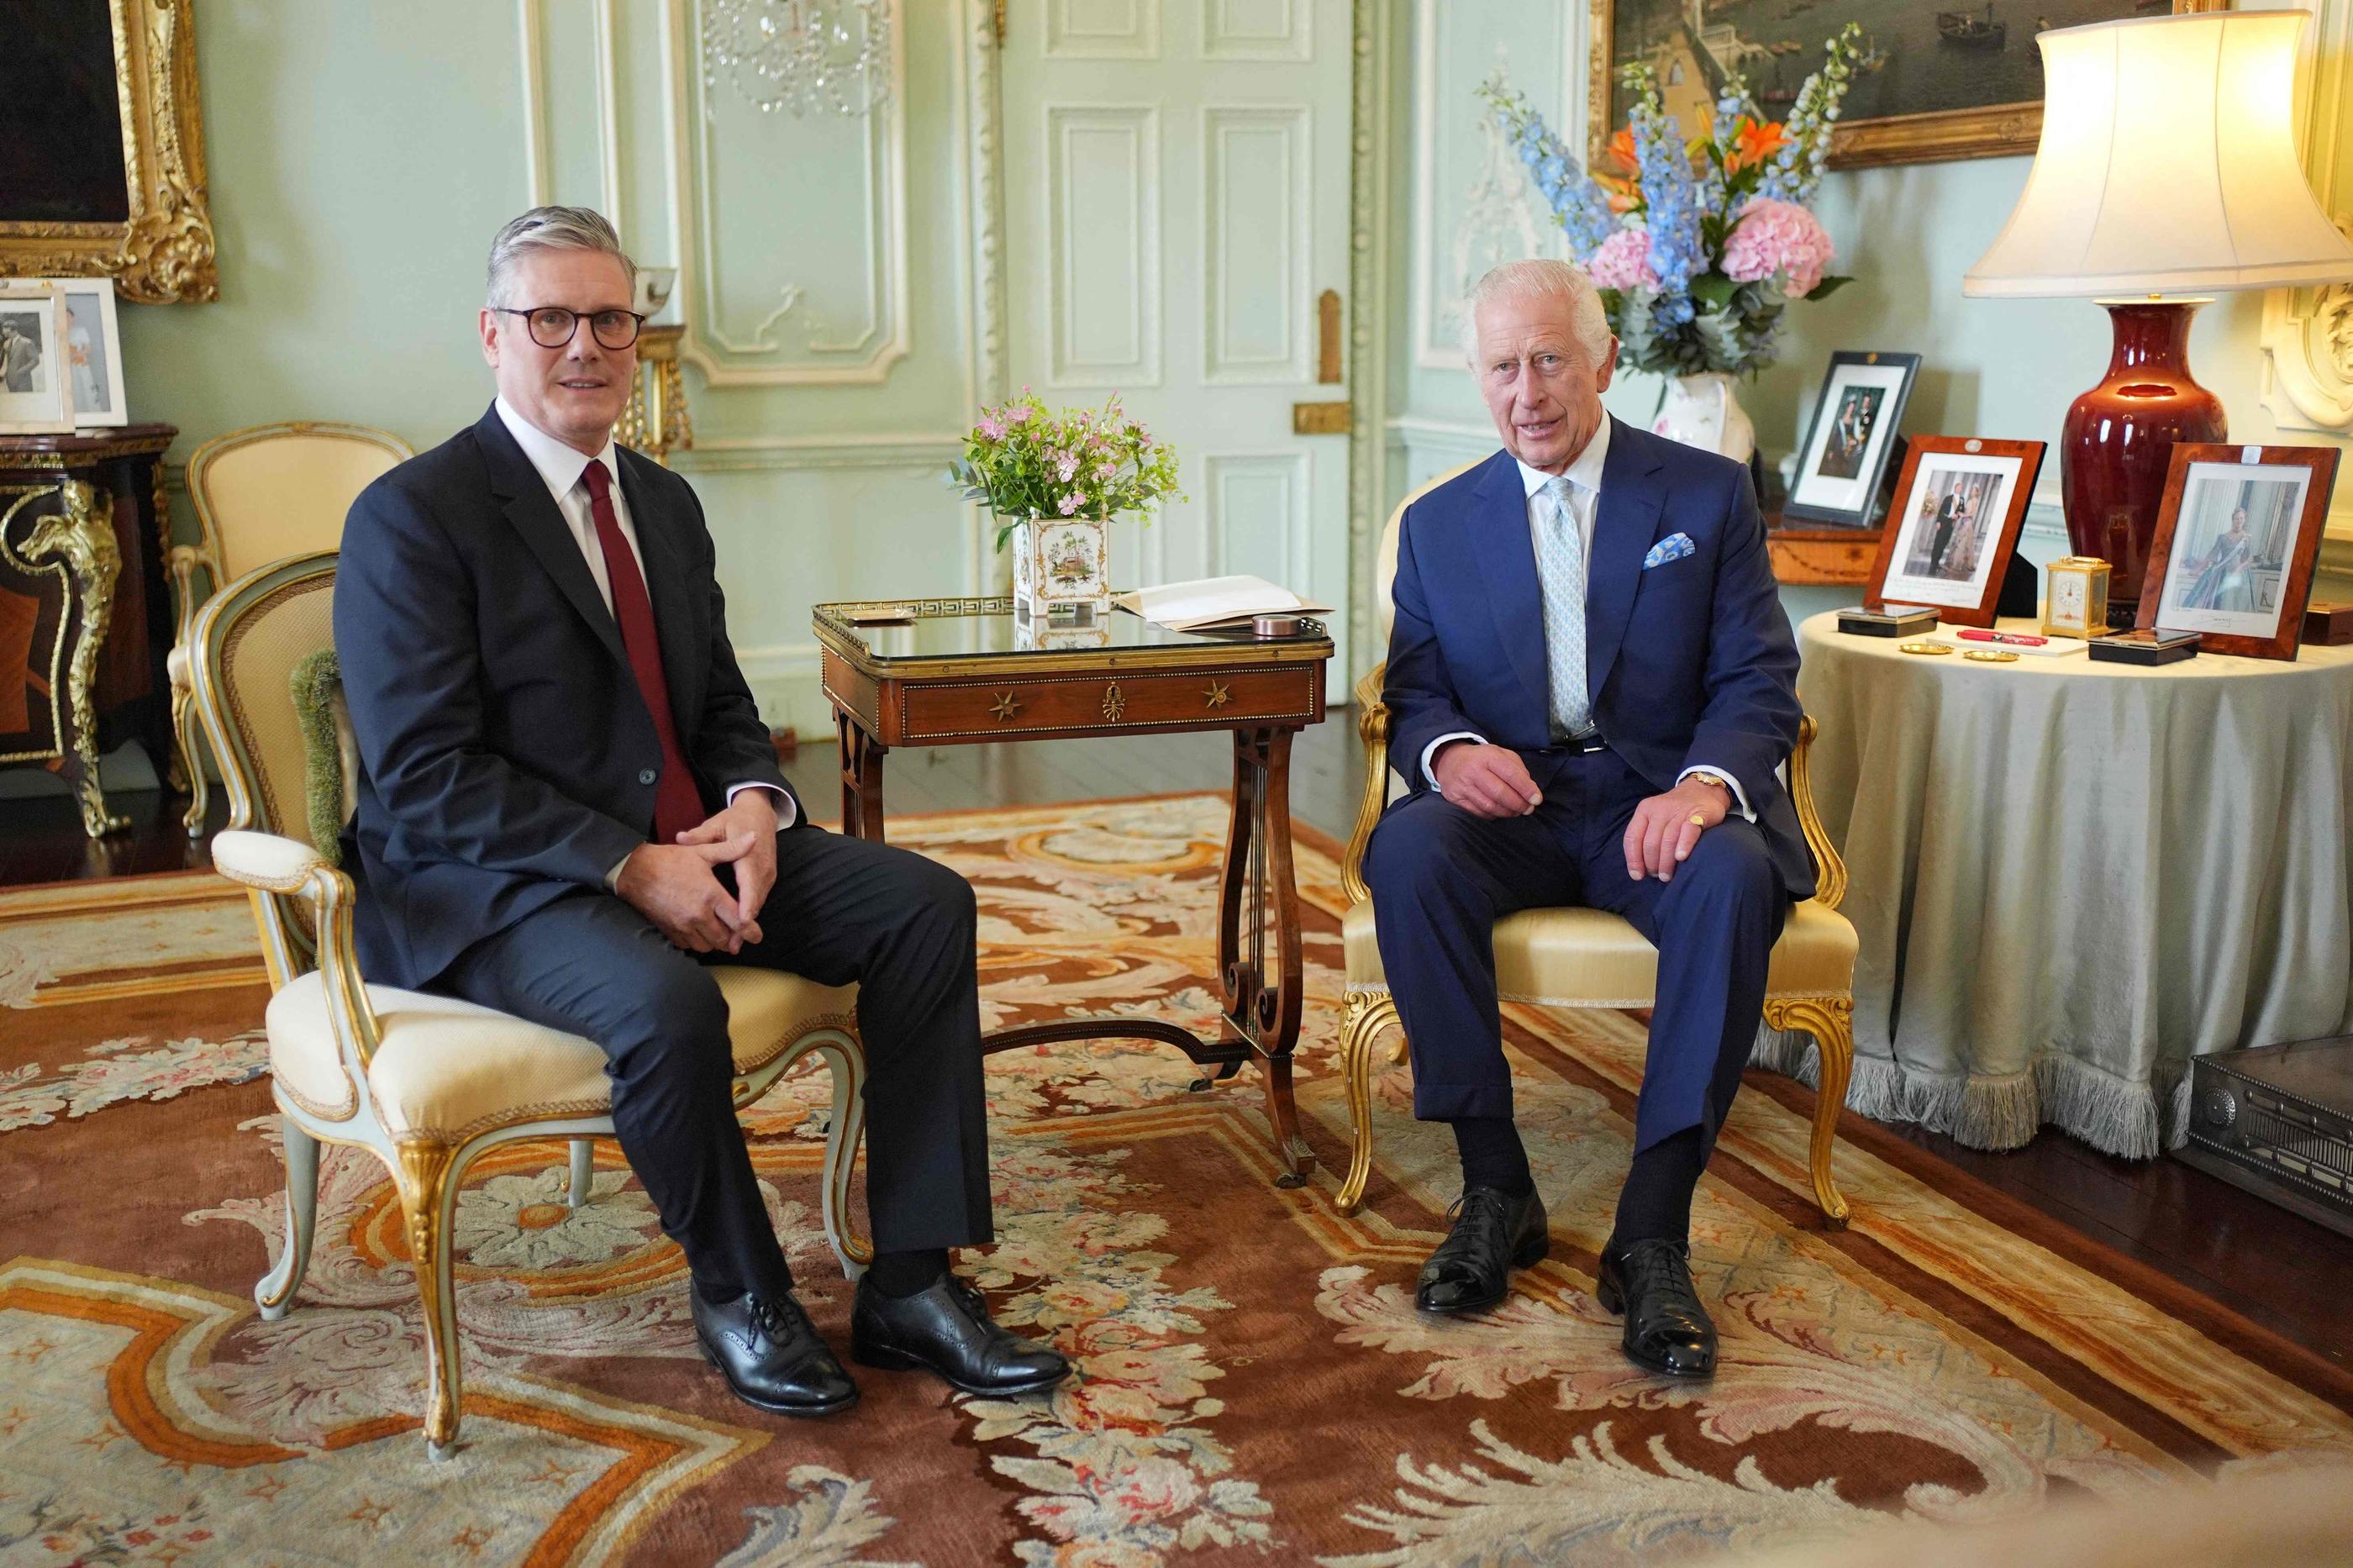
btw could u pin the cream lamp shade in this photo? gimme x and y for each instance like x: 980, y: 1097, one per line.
x: 2168, y: 165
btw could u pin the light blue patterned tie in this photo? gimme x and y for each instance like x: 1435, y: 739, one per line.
x: 1560, y: 565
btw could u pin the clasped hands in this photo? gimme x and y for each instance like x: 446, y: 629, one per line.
x: 1492, y: 781
x: 675, y: 885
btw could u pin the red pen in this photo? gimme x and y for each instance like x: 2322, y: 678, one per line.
x: 2021, y: 638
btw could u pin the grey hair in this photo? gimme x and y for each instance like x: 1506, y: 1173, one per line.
x: 553, y: 228
x: 1540, y: 279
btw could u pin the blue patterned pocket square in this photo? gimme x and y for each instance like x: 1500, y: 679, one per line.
x: 1674, y: 547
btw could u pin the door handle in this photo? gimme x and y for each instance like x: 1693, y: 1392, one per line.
x: 1327, y: 319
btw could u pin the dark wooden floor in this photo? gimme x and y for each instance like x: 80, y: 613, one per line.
x: 2284, y: 1272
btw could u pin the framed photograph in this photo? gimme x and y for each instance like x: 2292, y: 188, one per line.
x: 102, y: 148
x: 1937, y: 81
x: 1844, y: 455
x: 36, y: 393
x: 92, y: 350
x: 1959, y: 504
x: 2237, y: 535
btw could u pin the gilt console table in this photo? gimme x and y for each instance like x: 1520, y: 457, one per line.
x: 84, y: 624
x: 949, y: 672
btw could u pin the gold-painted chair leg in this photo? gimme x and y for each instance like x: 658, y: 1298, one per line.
x: 1368, y: 1015
x: 191, y: 759
x: 425, y: 1173
x: 1831, y: 1021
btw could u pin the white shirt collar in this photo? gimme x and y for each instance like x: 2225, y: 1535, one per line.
x: 1585, y: 473
x: 560, y: 466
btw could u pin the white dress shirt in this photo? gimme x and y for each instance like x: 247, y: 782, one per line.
x: 1583, y: 477
x: 561, y: 467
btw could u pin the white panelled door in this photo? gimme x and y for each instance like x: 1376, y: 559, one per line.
x: 1177, y: 200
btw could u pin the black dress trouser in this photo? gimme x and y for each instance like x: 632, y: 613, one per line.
x: 842, y: 909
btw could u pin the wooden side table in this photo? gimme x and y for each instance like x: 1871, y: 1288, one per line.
x: 84, y: 626
x: 946, y: 672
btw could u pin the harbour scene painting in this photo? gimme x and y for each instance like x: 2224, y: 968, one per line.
x: 1964, y: 64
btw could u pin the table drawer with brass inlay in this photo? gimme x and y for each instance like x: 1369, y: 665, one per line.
x: 1036, y: 705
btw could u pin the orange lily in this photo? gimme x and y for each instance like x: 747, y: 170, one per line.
x: 1754, y: 143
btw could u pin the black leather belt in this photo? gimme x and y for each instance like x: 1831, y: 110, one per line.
x: 1583, y: 745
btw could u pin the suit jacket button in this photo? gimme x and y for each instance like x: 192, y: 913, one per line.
x: 647, y: 775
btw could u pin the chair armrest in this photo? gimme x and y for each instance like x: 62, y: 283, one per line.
x: 270, y: 863
x: 1829, y: 870
x: 1373, y: 724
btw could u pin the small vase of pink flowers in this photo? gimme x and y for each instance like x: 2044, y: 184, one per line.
x: 1054, y: 481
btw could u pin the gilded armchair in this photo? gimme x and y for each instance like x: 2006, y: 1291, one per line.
x: 261, y: 494
x: 1585, y: 958
x: 426, y: 1083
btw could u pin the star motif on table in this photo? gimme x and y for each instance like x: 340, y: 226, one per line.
x: 1004, y: 707
x: 1217, y: 694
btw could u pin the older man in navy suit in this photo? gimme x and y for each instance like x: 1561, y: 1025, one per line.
x: 1592, y: 684
x: 568, y: 806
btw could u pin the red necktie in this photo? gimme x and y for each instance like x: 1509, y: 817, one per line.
x: 678, y: 805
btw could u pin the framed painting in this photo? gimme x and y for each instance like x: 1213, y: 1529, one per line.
x: 1959, y: 505
x: 102, y: 148
x: 1937, y: 81
x: 2238, y: 535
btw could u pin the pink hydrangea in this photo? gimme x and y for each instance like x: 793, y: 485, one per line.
x: 1623, y: 261
x: 1777, y: 237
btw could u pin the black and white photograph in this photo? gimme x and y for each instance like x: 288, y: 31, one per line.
x: 35, y: 389
x: 1851, y: 437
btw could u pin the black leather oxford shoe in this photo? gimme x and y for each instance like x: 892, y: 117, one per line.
x: 1667, y: 1330
x: 1494, y: 1232
x: 769, y: 1352
x: 947, y: 1330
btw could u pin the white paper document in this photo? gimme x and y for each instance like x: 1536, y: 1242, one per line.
x: 1215, y: 601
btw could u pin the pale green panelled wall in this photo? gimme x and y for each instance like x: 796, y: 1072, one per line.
x: 1992, y: 367
x: 360, y: 156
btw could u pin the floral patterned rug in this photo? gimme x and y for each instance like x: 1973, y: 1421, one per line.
x: 1254, y: 1386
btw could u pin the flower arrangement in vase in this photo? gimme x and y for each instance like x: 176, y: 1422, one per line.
x: 1054, y: 481
x: 1696, y: 247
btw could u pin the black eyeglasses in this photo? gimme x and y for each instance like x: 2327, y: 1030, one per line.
x: 552, y: 326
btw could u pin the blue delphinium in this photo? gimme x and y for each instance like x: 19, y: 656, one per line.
x: 1582, y: 206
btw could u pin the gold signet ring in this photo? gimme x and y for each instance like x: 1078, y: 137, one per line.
x: 1699, y: 819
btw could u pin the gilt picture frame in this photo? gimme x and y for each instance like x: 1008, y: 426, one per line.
x: 102, y: 169
x: 1999, y: 113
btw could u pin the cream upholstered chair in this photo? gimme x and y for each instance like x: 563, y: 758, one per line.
x: 426, y: 1083
x: 262, y: 494
x: 1584, y: 958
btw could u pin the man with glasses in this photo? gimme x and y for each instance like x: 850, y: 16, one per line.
x: 568, y: 804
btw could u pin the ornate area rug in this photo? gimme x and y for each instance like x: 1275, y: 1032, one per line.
x: 1255, y: 1386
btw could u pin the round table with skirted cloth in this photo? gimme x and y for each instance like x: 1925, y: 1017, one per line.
x: 2070, y: 877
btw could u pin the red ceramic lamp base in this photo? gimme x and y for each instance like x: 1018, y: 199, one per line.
x: 2118, y: 441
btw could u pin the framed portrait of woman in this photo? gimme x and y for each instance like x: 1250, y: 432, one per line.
x: 2238, y: 534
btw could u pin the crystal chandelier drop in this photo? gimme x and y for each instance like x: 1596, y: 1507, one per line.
x: 799, y: 56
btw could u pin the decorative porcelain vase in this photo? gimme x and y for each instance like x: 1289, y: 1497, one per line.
x: 1062, y: 572
x: 1701, y: 411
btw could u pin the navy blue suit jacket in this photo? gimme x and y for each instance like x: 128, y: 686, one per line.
x: 1688, y: 662
x: 506, y: 756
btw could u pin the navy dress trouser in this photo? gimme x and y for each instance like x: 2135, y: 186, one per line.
x: 1441, y: 877
x: 842, y: 909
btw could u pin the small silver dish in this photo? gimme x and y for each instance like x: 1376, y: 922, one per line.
x: 1277, y: 625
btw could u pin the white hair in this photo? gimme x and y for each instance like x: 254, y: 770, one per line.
x: 553, y: 228
x: 1541, y: 279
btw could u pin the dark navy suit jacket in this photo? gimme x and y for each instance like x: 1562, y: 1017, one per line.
x: 506, y: 756
x: 1689, y: 662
